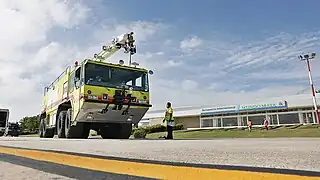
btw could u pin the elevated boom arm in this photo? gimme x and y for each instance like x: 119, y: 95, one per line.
x: 125, y: 41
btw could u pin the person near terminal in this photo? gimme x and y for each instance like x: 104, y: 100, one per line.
x: 266, y: 123
x: 249, y: 125
x: 168, y: 118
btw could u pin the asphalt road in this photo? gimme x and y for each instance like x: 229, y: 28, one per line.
x: 287, y: 153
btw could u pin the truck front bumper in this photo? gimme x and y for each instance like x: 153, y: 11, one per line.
x: 99, y: 112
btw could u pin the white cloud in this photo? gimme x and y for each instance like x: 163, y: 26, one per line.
x: 189, y: 85
x: 241, y: 71
x: 27, y: 58
x: 283, y: 48
x: 174, y: 63
x: 36, y: 49
x: 190, y: 43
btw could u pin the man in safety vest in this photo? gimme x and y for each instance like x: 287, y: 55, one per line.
x: 170, y: 120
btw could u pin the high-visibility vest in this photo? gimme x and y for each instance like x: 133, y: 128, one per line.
x: 167, y: 115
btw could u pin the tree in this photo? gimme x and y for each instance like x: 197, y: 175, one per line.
x: 30, y: 124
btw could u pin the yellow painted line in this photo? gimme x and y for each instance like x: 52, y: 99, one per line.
x: 157, y: 171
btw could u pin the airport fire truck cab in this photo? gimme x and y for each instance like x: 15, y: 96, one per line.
x: 106, y: 97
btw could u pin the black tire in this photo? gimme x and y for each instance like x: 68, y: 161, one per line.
x: 67, y: 124
x: 42, y: 128
x: 79, y: 131
x: 61, y: 124
x: 43, y: 131
x: 49, y: 133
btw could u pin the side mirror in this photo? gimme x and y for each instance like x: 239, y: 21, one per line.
x: 150, y: 72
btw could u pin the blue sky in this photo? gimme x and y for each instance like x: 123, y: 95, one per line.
x: 239, y: 22
x: 248, y: 19
x: 202, y: 52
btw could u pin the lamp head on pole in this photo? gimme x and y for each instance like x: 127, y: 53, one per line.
x: 304, y: 57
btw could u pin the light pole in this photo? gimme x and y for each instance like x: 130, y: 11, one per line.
x: 307, y: 58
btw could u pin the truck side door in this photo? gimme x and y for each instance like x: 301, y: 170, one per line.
x: 75, y: 84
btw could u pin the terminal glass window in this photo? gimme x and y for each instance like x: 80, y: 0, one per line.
x: 290, y: 118
x: 206, y: 123
x: 257, y: 120
x: 101, y: 75
x: 230, y: 121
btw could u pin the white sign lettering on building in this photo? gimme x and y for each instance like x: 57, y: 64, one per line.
x: 245, y: 107
x: 221, y: 109
x: 263, y: 106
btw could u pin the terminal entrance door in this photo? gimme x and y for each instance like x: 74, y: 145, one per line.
x: 308, y: 118
x: 216, y: 122
x: 242, y: 121
x: 273, y: 120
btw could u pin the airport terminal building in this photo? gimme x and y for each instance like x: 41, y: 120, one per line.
x: 296, y: 109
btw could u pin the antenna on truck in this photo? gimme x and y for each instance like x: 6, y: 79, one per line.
x: 125, y: 41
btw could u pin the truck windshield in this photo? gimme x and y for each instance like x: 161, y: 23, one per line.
x: 100, y: 75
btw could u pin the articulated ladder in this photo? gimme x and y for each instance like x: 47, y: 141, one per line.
x: 125, y: 41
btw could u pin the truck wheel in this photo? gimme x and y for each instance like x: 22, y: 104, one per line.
x: 67, y: 124
x: 45, y: 132
x: 49, y: 133
x: 61, y: 124
x: 42, y: 128
x: 79, y: 131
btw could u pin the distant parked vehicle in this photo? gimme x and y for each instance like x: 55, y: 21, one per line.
x: 13, y: 129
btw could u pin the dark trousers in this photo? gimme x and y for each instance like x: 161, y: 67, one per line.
x: 169, y: 132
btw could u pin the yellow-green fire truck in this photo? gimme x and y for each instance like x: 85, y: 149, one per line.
x: 106, y: 97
